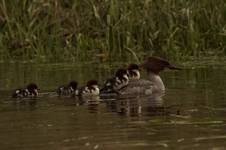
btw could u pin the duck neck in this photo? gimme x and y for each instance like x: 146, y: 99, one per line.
x: 157, y: 81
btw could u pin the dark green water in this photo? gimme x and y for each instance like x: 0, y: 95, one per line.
x: 191, y: 114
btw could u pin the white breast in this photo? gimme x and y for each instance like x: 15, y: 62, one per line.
x: 137, y: 76
x: 158, y: 84
x: 95, y: 91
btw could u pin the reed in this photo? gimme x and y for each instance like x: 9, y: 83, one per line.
x: 111, y: 30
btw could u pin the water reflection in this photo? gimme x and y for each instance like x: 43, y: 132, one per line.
x: 124, y: 105
x: 190, y: 115
x: 137, y: 105
x: 92, y: 103
x: 25, y: 104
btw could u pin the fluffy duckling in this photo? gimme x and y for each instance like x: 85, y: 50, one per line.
x: 30, y: 90
x: 91, y: 89
x: 119, y: 81
x: 66, y: 90
x: 133, y: 72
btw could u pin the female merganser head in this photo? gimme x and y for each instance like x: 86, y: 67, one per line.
x: 91, y: 89
x: 133, y: 72
x: 156, y: 65
x: 70, y: 89
x: 115, y: 83
x: 30, y: 90
x: 153, y: 66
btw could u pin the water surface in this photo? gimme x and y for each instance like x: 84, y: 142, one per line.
x: 191, y: 115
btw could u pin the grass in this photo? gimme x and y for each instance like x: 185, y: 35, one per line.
x: 111, y: 30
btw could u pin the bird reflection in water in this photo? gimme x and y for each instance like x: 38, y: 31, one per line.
x: 25, y: 104
x: 138, y: 106
x: 92, y: 102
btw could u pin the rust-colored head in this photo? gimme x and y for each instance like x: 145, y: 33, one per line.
x: 157, y: 64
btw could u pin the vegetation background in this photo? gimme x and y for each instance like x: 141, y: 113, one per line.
x: 110, y: 30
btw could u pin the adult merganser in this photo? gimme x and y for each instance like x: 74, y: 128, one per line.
x: 153, y: 66
x: 66, y: 90
x: 30, y: 90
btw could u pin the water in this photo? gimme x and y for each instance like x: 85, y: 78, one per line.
x: 191, y: 115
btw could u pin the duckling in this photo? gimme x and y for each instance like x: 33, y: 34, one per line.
x: 19, y: 93
x: 70, y: 89
x: 30, y: 90
x: 120, y: 80
x: 133, y: 72
x: 90, y: 89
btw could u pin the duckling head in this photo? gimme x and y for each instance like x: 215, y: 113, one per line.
x: 133, y: 71
x: 92, y: 86
x: 122, y: 75
x: 32, y: 88
x: 73, y: 85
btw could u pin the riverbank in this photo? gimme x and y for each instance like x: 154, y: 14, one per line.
x: 109, y: 31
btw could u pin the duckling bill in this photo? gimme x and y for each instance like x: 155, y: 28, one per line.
x: 156, y: 65
x: 153, y: 66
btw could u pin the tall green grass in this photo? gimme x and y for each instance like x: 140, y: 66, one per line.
x: 110, y: 30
